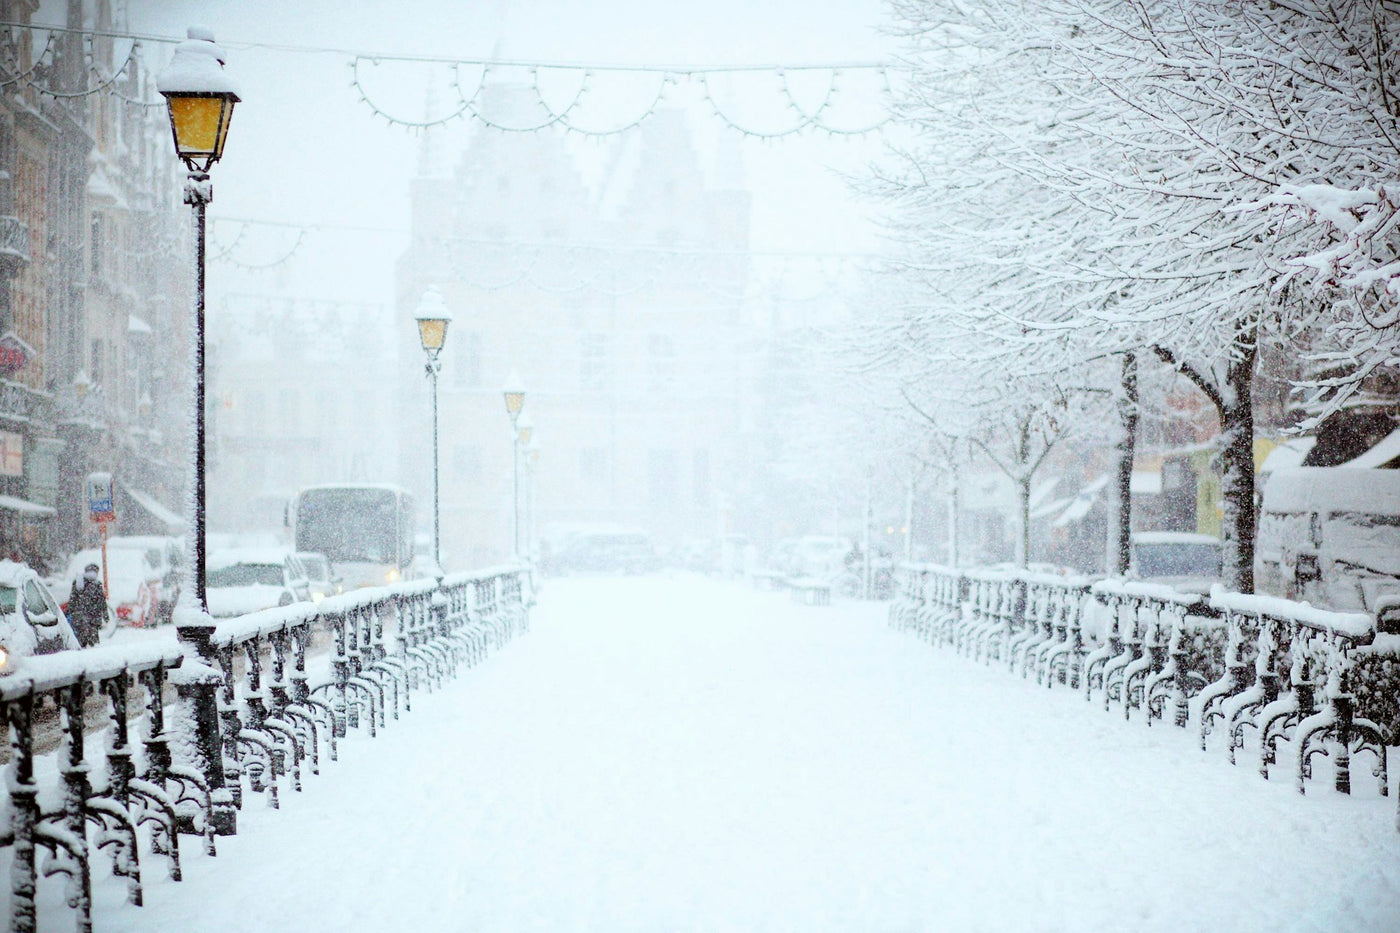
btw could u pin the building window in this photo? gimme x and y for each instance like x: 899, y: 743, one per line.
x: 700, y: 477
x: 466, y: 462
x: 95, y: 369
x: 96, y: 246
x: 661, y: 477
x: 252, y: 410
x: 593, y: 466
x: 661, y: 360
x: 468, y: 374
x: 593, y: 371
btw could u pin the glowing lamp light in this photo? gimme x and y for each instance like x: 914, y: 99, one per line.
x: 525, y: 426
x: 433, y: 318
x: 200, y: 96
x: 514, y: 395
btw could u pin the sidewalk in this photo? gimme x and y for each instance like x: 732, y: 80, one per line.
x: 682, y: 754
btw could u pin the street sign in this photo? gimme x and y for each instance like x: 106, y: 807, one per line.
x: 99, y: 496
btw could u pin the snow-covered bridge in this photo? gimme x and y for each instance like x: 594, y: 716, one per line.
x: 683, y: 753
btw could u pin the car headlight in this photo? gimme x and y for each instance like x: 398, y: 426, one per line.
x: 4, y: 660
x: 393, y: 575
x: 317, y: 596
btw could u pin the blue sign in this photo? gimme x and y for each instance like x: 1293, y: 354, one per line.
x: 99, y: 496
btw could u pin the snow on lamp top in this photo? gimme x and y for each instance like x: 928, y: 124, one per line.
x: 514, y: 393
x: 433, y: 318
x: 197, y: 67
x: 201, y: 95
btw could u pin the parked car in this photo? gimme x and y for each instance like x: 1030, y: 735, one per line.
x: 820, y: 556
x: 133, y: 583
x: 167, y: 555
x: 615, y: 551
x: 321, y: 578
x: 1188, y: 562
x: 245, y: 580
x: 31, y: 621
x: 1330, y: 536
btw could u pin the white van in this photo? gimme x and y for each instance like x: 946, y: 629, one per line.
x: 1330, y: 536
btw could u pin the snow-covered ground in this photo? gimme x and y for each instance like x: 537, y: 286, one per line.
x: 684, y: 754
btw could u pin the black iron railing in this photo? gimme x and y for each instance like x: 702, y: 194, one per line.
x: 1259, y: 673
x: 290, y: 682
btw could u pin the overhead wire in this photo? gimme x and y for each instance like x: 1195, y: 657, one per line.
x: 668, y: 76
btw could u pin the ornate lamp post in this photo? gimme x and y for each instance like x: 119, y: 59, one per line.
x: 201, y: 95
x: 532, y: 461
x: 515, y: 401
x: 433, y: 318
x: 524, y: 430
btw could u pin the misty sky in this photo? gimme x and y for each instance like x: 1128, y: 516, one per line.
x: 304, y: 149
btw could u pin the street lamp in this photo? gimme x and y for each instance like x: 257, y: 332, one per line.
x: 532, y: 460
x: 515, y: 400
x: 200, y: 96
x: 524, y: 429
x: 433, y: 318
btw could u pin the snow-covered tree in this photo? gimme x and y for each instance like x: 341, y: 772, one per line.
x: 1094, y: 178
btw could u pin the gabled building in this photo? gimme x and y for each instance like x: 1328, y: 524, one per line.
x: 619, y: 305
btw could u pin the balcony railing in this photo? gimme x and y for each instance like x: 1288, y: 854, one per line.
x: 14, y: 245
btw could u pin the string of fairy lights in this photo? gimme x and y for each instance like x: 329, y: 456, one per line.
x: 548, y: 267
x: 466, y: 93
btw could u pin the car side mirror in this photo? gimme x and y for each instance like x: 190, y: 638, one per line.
x: 46, y: 619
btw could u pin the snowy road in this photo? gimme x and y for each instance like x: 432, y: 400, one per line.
x: 682, y: 754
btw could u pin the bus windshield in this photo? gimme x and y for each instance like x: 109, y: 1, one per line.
x: 351, y: 524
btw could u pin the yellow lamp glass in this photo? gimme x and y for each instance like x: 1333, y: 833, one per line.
x: 525, y: 431
x: 432, y: 333
x: 200, y: 123
x: 514, y: 402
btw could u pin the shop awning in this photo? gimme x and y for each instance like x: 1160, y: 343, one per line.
x: 173, y: 523
x: 27, y: 509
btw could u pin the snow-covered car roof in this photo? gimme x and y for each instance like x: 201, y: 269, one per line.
x: 19, y: 637
x: 246, y: 555
x: 1172, y: 537
x: 161, y: 542
x: 227, y: 601
x: 13, y: 574
x: 127, y: 569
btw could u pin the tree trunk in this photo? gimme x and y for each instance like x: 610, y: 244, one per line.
x: 909, y: 519
x: 1121, y: 520
x: 953, y: 518
x: 1023, y: 539
x: 1237, y: 467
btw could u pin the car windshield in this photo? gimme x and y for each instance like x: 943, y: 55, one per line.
x: 316, y: 569
x: 1178, y: 560
x: 246, y: 575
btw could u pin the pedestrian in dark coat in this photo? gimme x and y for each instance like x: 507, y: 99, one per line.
x: 87, y: 607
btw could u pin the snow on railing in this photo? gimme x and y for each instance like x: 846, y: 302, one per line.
x: 1279, y: 672
x: 215, y: 725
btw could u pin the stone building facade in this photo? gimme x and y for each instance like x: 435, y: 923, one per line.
x: 94, y: 285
